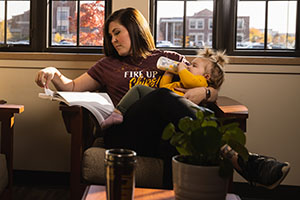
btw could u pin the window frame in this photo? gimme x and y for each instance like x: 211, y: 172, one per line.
x: 224, y: 16
x: 183, y: 50
x: 40, y: 28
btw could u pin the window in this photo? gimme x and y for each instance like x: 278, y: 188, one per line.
x: 269, y: 24
x: 71, y: 26
x: 192, y: 24
x: 240, y: 23
x: 14, y: 23
x: 210, y: 24
x: 242, y: 27
x: 191, y: 19
x: 200, y: 23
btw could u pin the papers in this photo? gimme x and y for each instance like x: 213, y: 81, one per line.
x: 99, y: 104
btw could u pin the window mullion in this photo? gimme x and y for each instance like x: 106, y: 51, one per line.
x: 184, y: 25
x: 266, y: 25
x: 78, y: 21
x: 298, y: 30
x: 5, y: 22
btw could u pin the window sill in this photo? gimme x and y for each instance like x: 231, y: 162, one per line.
x: 94, y: 57
x: 50, y: 56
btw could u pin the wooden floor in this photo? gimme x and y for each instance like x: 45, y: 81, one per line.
x: 41, y: 193
x: 48, y: 192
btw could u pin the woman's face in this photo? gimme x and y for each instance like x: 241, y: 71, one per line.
x: 120, y: 38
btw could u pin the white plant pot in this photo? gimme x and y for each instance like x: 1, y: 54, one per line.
x: 197, y: 182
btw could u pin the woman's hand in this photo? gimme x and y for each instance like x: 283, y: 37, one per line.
x: 44, y: 76
x: 198, y: 94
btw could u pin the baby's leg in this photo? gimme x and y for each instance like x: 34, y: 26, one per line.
x: 134, y: 94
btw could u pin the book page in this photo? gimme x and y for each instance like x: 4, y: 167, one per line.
x: 99, y: 104
x: 72, y: 97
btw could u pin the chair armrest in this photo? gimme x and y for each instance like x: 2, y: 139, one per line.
x: 226, y: 107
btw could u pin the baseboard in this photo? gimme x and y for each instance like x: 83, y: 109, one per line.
x: 259, y: 193
x: 42, y: 178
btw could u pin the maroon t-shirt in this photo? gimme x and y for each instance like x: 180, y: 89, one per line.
x: 116, y: 76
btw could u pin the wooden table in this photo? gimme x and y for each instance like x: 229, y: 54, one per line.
x: 97, y: 192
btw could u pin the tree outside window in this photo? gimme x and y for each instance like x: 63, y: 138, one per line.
x: 65, y: 29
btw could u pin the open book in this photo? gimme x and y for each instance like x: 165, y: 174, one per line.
x: 99, y: 104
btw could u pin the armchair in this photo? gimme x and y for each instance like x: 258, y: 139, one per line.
x: 87, y: 152
x: 7, y: 112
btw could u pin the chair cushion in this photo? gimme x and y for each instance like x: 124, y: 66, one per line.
x: 149, y: 171
x: 3, y: 173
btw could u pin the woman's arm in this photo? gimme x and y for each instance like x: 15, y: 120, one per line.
x: 198, y: 94
x: 62, y: 83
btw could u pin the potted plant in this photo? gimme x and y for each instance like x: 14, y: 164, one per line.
x: 200, y: 171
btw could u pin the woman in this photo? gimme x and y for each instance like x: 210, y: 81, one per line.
x: 130, y: 59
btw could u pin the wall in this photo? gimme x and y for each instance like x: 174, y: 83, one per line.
x: 141, y: 5
x: 272, y: 100
x: 269, y: 91
x: 42, y: 143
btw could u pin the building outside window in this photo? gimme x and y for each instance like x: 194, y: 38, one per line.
x: 194, y: 15
x: 15, y: 25
x: 272, y: 24
x: 256, y: 27
x: 71, y: 26
x: 65, y: 28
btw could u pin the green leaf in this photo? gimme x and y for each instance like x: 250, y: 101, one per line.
x: 206, y: 140
x: 183, y: 151
x: 239, y: 148
x: 168, y: 131
x: 200, y: 115
x: 177, y: 139
x: 229, y: 126
x: 185, y: 124
x: 209, y: 123
x: 236, y: 134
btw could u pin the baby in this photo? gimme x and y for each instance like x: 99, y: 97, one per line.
x: 205, y: 70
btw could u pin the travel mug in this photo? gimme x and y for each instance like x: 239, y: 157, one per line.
x: 167, y: 64
x: 120, y: 174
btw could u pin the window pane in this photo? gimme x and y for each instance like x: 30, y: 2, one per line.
x: 1, y: 22
x: 91, y: 23
x: 282, y: 24
x: 18, y: 22
x: 250, y: 24
x: 64, y: 23
x: 169, y: 24
x: 199, y: 23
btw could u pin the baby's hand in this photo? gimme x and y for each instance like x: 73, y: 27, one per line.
x: 181, y: 66
x: 167, y: 64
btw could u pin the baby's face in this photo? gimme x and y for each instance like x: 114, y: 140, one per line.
x: 198, y: 66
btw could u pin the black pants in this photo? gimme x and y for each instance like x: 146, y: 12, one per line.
x: 144, y: 123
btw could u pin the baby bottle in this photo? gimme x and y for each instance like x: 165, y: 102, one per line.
x: 167, y: 64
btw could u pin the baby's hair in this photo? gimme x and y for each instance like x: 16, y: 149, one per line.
x: 218, y: 60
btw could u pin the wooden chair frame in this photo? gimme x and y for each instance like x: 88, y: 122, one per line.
x: 7, y: 113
